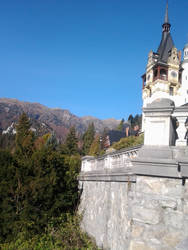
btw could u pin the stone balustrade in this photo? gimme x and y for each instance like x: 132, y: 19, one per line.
x: 113, y: 160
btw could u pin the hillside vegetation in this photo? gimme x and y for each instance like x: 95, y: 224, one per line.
x: 39, y: 192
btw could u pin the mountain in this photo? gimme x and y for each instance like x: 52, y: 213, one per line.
x: 48, y: 119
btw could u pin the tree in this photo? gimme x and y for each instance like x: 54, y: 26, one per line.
x: 37, y: 183
x: 137, y: 120
x: 88, y: 138
x: 95, y: 147
x: 71, y: 143
x: 24, y: 137
x: 130, y: 119
x: 120, y: 126
x: 7, y: 185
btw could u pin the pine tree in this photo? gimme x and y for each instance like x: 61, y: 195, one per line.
x: 130, y: 119
x: 88, y: 138
x: 95, y: 147
x: 71, y: 143
x: 7, y: 185
x: 24, y: 137
x: 120, y: 126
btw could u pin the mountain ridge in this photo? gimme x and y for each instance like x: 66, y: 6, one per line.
x: 60, y: 120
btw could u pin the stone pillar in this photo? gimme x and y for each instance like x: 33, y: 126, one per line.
x: 158, y: 124
x: 87, y: 163
x: 181, y: 114
x: 181, y: 130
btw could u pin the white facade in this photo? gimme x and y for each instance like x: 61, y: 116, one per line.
x: 160, y: 88
x: 177, y: 77
x: 184, y: 87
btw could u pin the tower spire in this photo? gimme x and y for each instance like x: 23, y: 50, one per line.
x: 166, y: 26
x: 166, y: 14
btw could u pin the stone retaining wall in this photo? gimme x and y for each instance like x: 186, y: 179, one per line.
x: 127, y: 211
x: 149, y: 213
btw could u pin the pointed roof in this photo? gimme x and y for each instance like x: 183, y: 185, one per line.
x: 166, y: 43
x: 166, y: 14
x: 165, y: 46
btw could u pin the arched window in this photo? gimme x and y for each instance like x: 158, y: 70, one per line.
x: 155, y: 73
x: 163, y: 74
x: 171, y: 91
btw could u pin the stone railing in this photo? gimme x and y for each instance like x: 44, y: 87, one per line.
x: 110, y: 161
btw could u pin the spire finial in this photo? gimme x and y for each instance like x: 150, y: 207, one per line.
x: 166, y: 14
x: 166, y: 26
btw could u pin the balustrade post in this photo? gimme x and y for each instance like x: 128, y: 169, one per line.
x: 181, y: 131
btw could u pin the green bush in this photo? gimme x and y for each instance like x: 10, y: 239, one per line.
x: 127, y: 142
x: 64, y: 235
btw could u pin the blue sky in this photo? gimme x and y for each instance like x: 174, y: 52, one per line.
x: 83, y: 55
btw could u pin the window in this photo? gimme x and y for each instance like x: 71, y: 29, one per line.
x: 155, y: 73
x: 171, y: 91
x: 163, y: 74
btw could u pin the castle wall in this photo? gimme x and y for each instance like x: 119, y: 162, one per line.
x: 159, y: 214
x: 123, y: 210
x: 151, y: 214
x: 107, y: 213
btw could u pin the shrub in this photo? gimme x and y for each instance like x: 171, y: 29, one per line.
x: 127, y: 142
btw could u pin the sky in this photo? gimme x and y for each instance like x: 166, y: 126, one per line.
x: 86, y: 56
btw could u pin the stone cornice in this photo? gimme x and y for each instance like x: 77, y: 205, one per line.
x: 115, y: 175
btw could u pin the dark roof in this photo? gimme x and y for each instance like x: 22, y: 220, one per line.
x: 165, y: 46
x: 166, y: 14
x: 166, y: 43
x: 115, y: 135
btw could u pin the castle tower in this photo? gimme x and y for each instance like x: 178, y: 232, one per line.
x: 163, y: 72
x: 162, y: 78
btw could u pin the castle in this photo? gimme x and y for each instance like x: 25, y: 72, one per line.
x: 166, y: 75
x: 137, y: 198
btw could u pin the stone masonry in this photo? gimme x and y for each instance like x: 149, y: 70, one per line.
x: 127, y: 211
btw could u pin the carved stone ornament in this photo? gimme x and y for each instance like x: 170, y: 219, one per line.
x: 173, y: 56
x: 150, y: 58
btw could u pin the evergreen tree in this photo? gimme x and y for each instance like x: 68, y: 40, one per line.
x: 95, y: 147
x: 88, y: 138
x: 71, y: 143
x: 130, y: 119
x: 7, y: 186
x: 7, y: 141
x: 120, y: 126
x: 137, y: 120
x: 37, y: 183
x: 24, y: 137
